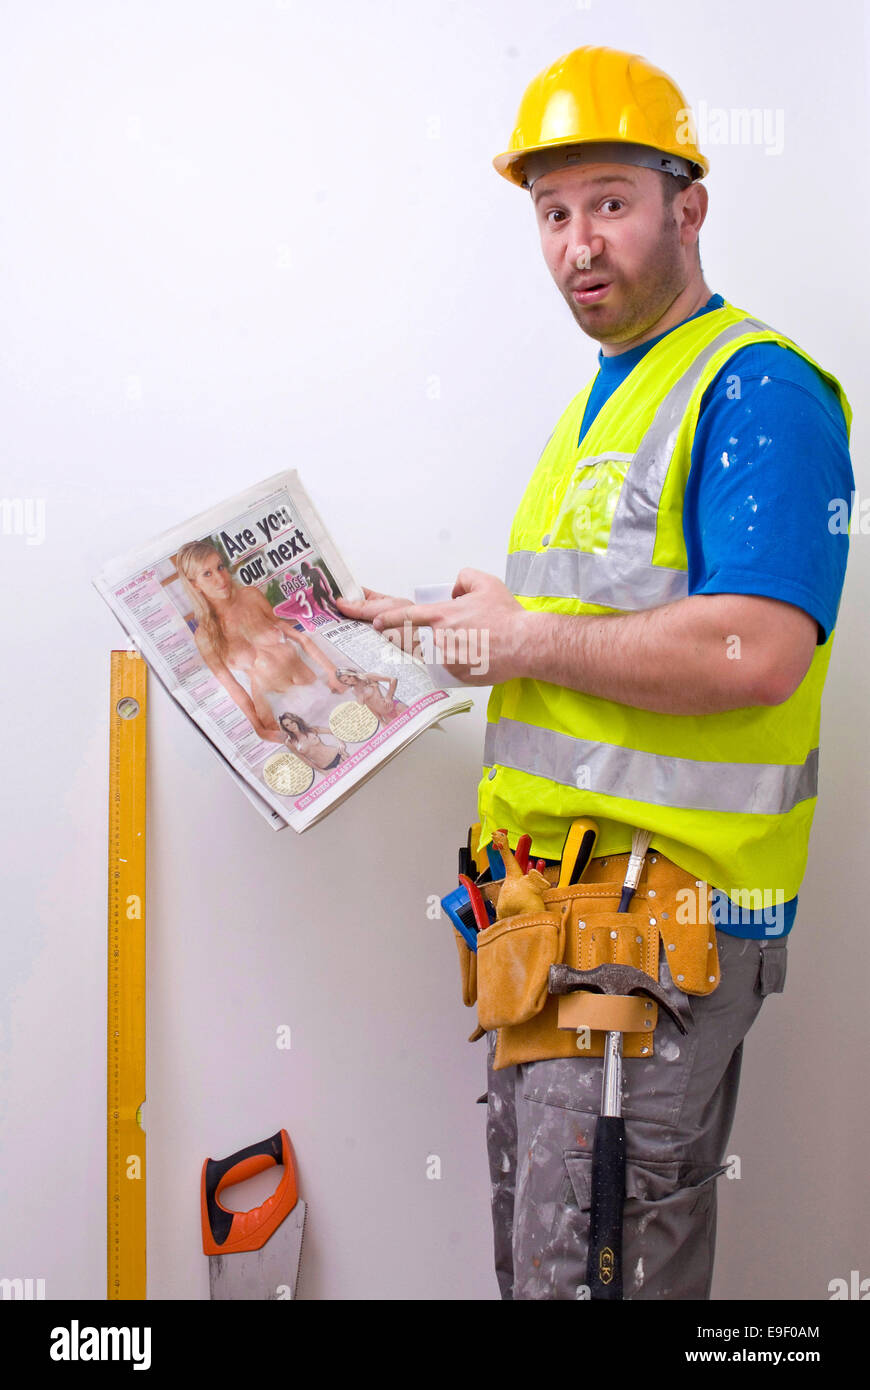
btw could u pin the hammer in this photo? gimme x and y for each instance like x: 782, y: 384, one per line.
x: 604, y: 1261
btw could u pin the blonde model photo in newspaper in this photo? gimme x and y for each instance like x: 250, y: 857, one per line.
x: 259, y: 659
x: 366, y: 689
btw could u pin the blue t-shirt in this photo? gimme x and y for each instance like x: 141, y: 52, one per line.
x: 766, y: 418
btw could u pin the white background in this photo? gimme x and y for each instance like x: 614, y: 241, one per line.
x: 236, y: 237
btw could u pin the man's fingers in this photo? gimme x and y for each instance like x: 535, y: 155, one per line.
x: 371, y: 606
x: 468, y: 579
x: 389, y: 618
x: 418, y: 614
x: 371, y: 596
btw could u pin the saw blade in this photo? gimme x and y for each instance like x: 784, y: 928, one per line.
x: 271, y: 1272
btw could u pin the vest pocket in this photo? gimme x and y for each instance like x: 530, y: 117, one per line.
x: 513, y: 967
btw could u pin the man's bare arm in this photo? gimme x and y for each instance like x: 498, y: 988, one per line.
x: 700, y: 655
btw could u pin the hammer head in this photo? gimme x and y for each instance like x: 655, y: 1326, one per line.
x: 617, y: 979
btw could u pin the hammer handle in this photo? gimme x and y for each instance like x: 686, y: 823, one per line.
x: 604, y: 1265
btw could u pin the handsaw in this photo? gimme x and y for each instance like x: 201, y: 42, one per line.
x: 253, y: 1254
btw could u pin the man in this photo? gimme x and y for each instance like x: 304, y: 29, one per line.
x: 657, y: 657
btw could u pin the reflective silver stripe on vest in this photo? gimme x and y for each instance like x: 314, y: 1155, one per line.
x: 624, y: 576
x: 765, y: 789
x: 578, y: 574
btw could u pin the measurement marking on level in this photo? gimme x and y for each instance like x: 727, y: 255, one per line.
x: 125, y: 1191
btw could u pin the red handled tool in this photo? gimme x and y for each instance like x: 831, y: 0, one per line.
x: 521, y: 853
x: 478, y: 902
x: 253, y: 1254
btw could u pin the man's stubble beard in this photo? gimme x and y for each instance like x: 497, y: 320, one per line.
x: 644, y: 302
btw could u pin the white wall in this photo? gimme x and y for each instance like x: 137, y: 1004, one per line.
x: 236, y: 237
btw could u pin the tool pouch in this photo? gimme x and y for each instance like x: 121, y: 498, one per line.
x: 513, y: 966
x: 467, y: 970
x: 668, y: 923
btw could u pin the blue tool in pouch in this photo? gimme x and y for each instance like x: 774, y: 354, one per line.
x: 460, y: 910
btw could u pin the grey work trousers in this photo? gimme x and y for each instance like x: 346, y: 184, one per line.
x: 678, y: 1109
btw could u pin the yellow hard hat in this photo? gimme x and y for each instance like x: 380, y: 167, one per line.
x: 616, y: 101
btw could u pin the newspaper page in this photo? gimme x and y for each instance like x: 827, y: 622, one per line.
x: 234, y: 612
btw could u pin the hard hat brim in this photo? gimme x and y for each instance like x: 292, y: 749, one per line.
x: 510, y: 162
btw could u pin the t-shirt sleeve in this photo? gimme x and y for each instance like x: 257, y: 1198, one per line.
x: 770, y: 486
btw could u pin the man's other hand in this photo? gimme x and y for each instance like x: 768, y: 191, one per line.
x: 478, y: 634
x: 373, y: 606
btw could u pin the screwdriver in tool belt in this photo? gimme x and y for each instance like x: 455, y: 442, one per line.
x: 577, y: 851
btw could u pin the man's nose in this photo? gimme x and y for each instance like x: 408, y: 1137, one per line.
x: 584, y: 248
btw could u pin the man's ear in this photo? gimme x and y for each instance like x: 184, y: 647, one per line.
x: 695, y: 201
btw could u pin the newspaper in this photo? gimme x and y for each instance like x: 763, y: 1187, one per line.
x: 234, y: 612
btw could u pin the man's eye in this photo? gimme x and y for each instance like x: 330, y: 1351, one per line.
x: 555, y: 212
x: 608, y: 201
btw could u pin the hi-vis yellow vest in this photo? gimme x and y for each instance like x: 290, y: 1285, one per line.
x: 729, y: 796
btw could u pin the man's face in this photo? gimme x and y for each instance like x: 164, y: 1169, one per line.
x: 611, y: 219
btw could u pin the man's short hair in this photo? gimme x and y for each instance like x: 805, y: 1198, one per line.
x: 672, y: 185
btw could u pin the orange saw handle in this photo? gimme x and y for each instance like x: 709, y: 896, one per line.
x: 224, y: 1231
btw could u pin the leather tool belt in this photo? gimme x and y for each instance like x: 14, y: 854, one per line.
x: 668, y: 919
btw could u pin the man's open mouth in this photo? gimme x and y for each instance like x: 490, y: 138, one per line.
x: 590, y: 293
